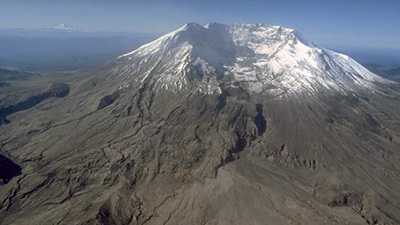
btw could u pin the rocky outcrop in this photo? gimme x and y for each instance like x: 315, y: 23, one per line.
x: 8, y: 170
x: 107, y: 100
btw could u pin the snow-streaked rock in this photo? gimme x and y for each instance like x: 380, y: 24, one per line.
x: 262, y: 58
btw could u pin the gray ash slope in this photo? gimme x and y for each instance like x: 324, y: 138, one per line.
x: 241, y: 124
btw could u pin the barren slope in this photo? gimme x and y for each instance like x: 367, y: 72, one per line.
x: 173, y: 133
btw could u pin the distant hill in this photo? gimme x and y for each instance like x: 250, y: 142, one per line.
x: 7, y: 75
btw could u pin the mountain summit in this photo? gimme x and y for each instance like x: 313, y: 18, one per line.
x: 207, y: 125
x: 261, y: 58
x: 64, y: 27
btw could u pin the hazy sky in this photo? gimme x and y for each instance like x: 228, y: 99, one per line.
x: 356, y: 23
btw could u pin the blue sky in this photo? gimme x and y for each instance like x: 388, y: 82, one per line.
x: 353, y: 23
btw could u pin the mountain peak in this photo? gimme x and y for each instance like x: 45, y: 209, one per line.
x: 248, y: 116
x: 191, y: 26
x: 259, y: 57
x: 64, y: 27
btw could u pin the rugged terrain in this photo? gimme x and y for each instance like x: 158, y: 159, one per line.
x: 215, y: 124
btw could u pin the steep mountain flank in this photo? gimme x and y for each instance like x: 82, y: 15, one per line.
x: 215, y: 124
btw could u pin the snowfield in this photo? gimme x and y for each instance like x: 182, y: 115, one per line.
x: 262, y: 58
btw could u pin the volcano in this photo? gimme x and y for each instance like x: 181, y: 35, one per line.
x: 215, y: 124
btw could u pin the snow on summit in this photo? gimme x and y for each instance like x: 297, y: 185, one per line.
x: 64, y: 27
x: 262, y: 58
